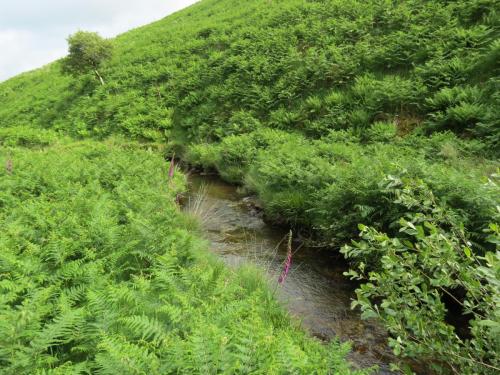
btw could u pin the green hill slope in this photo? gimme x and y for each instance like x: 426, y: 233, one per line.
x: 335, y: 113
x: 225, y: 81
x: 220, y: 68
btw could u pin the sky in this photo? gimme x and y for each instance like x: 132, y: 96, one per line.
x: 33, y: 32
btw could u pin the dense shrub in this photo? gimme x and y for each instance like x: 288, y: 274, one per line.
x: 234, y: 155
x: 424, y: 283
x: 333, y: 184
x: 28, y: 137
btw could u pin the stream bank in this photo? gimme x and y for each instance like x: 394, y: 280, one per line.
x: 315, y: 291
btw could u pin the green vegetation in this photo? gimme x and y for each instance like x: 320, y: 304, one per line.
x: 430, y: 265
x: 217, y: 69
x: 335, y: 113
x: 98, y: 274
x: 87, y: 51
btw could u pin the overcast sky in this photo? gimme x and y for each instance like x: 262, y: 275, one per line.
x: 33, y: 32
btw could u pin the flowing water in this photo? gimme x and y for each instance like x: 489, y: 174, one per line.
x: 315, y: 291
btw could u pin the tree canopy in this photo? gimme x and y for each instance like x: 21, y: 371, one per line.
x: 87, y: 51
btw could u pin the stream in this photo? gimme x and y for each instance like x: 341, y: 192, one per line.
x: 315, y: 291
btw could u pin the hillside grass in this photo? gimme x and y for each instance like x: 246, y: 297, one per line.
x: 216, y: 69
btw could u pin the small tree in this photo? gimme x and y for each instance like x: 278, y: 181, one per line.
x: 87, y: 50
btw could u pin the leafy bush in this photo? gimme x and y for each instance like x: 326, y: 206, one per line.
x: 233, y: 156
x: 457, y: 108
x: 428, y: 280
x: 391, y: 94
x: 380, y: 132
x: 28, y: 137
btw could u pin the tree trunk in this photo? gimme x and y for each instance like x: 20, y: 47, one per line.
x: 99, y: 76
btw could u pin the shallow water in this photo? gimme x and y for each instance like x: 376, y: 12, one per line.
x: 315, y: 291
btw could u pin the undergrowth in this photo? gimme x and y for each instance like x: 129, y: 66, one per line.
x: 98, y: 274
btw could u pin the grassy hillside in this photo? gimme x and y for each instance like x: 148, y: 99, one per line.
x: 335, y: 113
x: 217, y: 69
x: 214, y: 78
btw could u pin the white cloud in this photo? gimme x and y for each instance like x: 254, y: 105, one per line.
x: 33, y: 32
x: 24, y: 50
